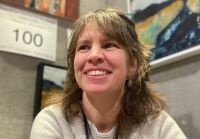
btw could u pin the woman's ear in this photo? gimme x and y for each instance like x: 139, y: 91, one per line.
x: 133, y: 66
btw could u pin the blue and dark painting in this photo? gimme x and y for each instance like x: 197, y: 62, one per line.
x: 169, y: 27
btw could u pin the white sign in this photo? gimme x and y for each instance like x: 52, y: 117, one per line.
x: 27, y: 33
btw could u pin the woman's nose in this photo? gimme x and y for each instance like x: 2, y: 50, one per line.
x: 96, y: 55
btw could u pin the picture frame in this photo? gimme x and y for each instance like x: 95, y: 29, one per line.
x: 50, y: 82
x: 61, y: 8
x: 170, y: 29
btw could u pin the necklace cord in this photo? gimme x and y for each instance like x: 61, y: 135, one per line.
x: 88, y: 131
x: 86, y: 125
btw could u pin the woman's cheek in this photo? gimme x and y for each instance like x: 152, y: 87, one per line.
x: 78, y: 62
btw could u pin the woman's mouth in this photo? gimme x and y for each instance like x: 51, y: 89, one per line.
x: 97, y: 73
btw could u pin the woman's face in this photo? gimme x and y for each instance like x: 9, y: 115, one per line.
x: 101, y: 64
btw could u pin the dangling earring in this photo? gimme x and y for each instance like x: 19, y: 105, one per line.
x: 129, y: 85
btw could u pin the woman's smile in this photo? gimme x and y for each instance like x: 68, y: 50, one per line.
x: 97, y: 73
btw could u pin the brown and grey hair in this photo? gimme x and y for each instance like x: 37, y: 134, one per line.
x: 138, y: 103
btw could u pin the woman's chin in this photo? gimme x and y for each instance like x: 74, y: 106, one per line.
x: 96, y: 91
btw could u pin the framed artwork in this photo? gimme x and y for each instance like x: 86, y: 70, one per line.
x: 169, y: 28
x: 49, y: 85
x: 63, y: 8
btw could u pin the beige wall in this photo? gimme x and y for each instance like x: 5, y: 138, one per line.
x: 117, y: 4
x: 88, y: 5
x: 17, y: 90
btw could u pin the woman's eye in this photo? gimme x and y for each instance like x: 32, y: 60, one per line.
x: 83, y: 48
x: 110, y: 45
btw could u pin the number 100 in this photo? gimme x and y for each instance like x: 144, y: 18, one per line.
x: 29, y: 38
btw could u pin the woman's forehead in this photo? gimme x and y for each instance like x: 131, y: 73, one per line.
x: 94, y: 27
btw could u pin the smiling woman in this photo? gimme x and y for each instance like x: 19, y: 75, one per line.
x: 108, y: 92
x: 101, y: 65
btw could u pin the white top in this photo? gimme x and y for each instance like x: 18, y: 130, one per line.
x: 98, y: 135
x: 50, y: 123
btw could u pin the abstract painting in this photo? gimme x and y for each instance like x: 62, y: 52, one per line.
x: 167, y: 27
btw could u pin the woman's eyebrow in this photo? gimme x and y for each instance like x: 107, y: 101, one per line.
x: 83, y: 41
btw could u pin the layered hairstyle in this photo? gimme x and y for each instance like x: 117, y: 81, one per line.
x: 140, y: 101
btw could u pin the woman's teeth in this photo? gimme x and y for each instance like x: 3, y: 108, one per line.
x: 97, y: 73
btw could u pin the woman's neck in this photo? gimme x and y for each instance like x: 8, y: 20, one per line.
x: 102, y: 112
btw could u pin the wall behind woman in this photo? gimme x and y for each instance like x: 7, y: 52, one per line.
x: 17, y: 89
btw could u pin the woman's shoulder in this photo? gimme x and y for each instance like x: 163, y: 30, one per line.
x: 163, y: 118
x: 51, y: 110
x: 161, y: 127
x: 55, y: 113
x: 51, y: 123
x: 163, y: 121
x: 52, y: 113
x: 167, y: 126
